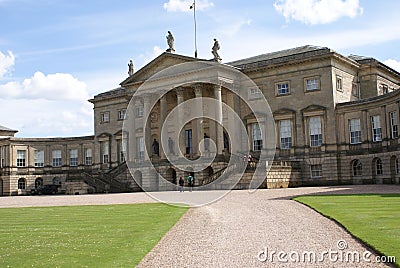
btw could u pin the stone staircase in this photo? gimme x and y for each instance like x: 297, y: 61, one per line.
x: 282, y: 174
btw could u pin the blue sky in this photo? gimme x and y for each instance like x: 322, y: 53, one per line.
x: 56, y: 54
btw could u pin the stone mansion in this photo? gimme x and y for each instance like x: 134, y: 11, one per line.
x: 336, y: 118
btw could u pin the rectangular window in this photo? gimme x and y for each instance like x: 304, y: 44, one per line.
x: 21, y: 158
x: 316, y: 171
x: 139, y: 111
x: 39, y: 158
x: 282, y: 88
x: 355, y: 131
x: 140, y: 147
x: 315, y: 131
x: 394, y: 126
x: 2, y: 156
x: 121, y: 114
x: 254, y: 93
x: 339, y: 83
x: 105, y: 117
x: 376, y: 128
x: 257, y: 137
x: 312, y: 84
x: 121, y: 150
x: 57, y: 159
x: 73, y: 157
x: 286, y: 134
x: 188, y: 141
x: 105, y: 152
x: 88, y: 156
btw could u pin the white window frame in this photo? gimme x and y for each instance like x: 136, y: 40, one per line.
x: 139, y: 111
x: 376, y: 128
x: 339, y: 83
x: 21, y: 158
x: 394, y: 125
x: 88, y: 156
x: 282, y: 88
x: 140, y: 147
x: 122, y: 114
x: 355, y: 131
x: 254, y: 93
x: 73, y: 157
x: 39, y: 158
x: 312, y: 84
x: 316, y: 171
x: 285, y: 132
x: 56, y: 158
x: 2, y: 157
x: 378, y: 167
x: 21, y: 184
x: 105, y: 152
x: 105, y: 117
x: 256, y: 137
x: 315, y: 131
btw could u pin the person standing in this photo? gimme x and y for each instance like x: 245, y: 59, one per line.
x: 181, y: 183
x: 190, y: 181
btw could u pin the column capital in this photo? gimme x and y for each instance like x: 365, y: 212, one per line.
x: 217, y: 87
x: 198, y: 89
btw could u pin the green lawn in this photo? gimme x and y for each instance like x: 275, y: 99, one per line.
x: 373, y: 218
x: 83, y: 236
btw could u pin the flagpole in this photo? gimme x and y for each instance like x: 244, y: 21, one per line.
x: 195, y: 27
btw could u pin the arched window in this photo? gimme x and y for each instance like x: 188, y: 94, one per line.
x: 56, y: 181
x: 378, y: 167
x: 357, y: 168
x: 38, y: 182
x: 21, y: 184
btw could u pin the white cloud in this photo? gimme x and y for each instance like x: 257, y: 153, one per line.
x: 59, y: 86
x: 44, y: 118
x: 6, y: 63
x: 184, y: 5
x: 318, y: 11
x: 394, y: 64
x: 143, y: 59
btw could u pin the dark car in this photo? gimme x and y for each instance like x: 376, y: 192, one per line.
x: 46, y: 189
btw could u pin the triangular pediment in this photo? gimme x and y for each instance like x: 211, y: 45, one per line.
x: 284, y: 111
x: 160, y: 63
x: 313, y: 108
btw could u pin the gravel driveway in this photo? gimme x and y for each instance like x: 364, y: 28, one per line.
x: 237, y: 230
x: 241, y: 229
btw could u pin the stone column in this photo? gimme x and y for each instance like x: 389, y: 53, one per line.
x: 147, y: 126
x: 179, y: 124
x: 163, y: 114
x: 199, y: 113
x: 218, y: 119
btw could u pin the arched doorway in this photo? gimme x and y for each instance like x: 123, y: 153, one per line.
x: 38, y: 182
x: 171, y: 176
x: 377, y: 169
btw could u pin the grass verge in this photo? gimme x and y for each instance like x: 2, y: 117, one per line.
x: 83, y: 236
x: 373, y: 218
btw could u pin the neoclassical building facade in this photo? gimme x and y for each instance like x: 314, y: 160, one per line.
x: 335, y: 117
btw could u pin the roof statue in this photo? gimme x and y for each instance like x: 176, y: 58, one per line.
x: 170, y: 42
x: 130, y: 66
x: 214, y: 51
